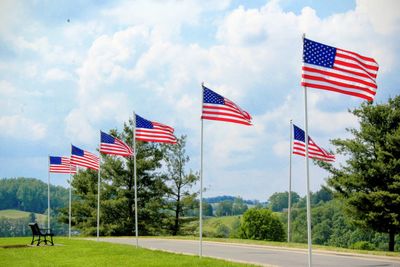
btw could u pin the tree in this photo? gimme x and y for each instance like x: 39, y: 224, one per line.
x: 261, y: 224
x: 369, y: 182
x: 224, y: 208
x: 279, y: 201
x: 238, y: 206
x: 179, y: 182
x: 322, y: 195
x: 117, y: 209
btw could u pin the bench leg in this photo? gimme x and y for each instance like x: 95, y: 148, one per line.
x: 51, y: 238
x: 33, y: 238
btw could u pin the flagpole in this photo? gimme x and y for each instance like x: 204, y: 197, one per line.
x: 135, y: 178
x: 308, y: 176
x: 48, y: 195
x: 201, y: 180
x: 290, y: 182
x: 69, y: 205
x: 98, y: 193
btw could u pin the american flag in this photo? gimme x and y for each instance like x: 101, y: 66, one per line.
x: 219, y: 108
x: 314, y: 151
x: 84, y: 158
x: 61, y: 165
x: 114, y: 146
x: 329, y: 68
x: 150, y: 131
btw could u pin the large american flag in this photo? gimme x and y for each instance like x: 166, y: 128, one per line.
x: 329, y: 68
x: 114, y: 146
x: 61, y: 165
x: 84, y: 158
x: 150, y: 131
x: 314, y: 151
x: 219, y: 108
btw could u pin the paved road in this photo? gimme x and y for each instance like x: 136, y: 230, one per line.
x: 261, y: 255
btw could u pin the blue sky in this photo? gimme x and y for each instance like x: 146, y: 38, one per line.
x: 68, y: 70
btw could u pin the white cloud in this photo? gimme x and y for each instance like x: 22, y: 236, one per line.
x: 19, y: 127
x: 6, y: 88
x: 384, y: 15
x: 56, y: 74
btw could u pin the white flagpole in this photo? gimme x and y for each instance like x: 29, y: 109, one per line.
x: 48, y: 196
x: 290, y: 182
x: 308, y: 176
x: 201, y: 178
x: 69, y: 205
x: 98, y: 193
x: 135, y: 183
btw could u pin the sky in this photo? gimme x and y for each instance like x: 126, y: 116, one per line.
x: 71, y: 68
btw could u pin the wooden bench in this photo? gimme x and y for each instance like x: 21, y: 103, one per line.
x: 39, y: 233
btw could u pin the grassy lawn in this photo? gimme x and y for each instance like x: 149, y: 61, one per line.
x: 72, y: 252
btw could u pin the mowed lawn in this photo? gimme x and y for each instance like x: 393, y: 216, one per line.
x: 74, y: 252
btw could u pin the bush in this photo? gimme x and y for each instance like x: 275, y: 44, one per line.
x: 363, y: 245
x: 222, y: 231
x: 261, y: 224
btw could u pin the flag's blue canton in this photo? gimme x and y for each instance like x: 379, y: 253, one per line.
x: 212, y: 97
x: 299, y: 134
x: 318, y: 54
x: 143, y: 123
x: 77, y: 151
x: 55, y: 160
x: 105, y: 138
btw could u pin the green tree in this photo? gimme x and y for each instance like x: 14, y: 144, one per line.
x: 238, y: 206
x: 279, y: 201
x: 32, y: 217
x: 179, y: 182
x: 261, y: 224
x: 369, y: 182
x: 117, y: 214
x: 224, y: 208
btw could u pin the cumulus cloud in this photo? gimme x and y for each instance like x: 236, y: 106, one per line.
x: 154, y: 61
x: 19, y: 127
x: 6, y: 88
x: 383, y: 15
x: 55, y: 74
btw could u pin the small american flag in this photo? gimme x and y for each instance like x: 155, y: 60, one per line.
x: 329, y: 68
x: 84, y: 158
x: 314, y: 151
x: 219, y: 108
x: 114, y: 146
x: 150, y: 131
x: 61, y: 165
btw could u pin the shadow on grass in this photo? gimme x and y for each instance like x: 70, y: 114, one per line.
x: 14, y: 246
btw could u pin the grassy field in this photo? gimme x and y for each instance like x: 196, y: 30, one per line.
x: 72, y: 252
x: 17, y: 214
x: 211, y: 225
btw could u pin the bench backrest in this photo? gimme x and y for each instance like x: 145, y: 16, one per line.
x: 35, y: 228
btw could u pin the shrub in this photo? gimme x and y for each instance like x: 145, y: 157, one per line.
x: 261, y: 224
x: 363, y: 245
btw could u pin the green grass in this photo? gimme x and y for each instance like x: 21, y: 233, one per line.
x: 19, y: 214
x: 72, y: 252
x: 210, y: 224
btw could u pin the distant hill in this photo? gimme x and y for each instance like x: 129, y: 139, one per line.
x: 18, y: 214
x: 30, y: 194
x: 218, y: 199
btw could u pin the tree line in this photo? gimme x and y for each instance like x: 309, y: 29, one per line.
x: 29, y: 194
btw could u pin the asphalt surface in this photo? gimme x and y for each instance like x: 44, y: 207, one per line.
x: 261, y: 255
